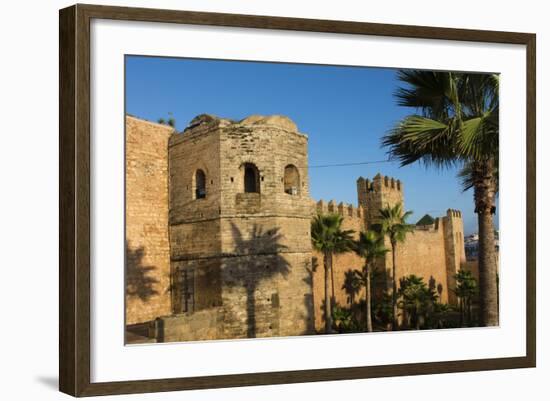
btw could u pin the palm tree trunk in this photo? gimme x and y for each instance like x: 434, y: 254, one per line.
x: 368, y: 300
x: 333, y: 296
x: 328, y: 308
x: 484, y: 196
x: 394, y: 288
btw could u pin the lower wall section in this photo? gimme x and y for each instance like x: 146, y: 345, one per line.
x: 342, y: 291
x: 262, y: 295
x: 267, y: 295
x: 202, y: 325
x: 423, y: 254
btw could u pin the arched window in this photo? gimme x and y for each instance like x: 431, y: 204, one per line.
x: 291, y: 180
x: 200, y: 185
x: 251, y: 178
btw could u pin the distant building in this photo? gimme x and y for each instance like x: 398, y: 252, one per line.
x: 471, y: 245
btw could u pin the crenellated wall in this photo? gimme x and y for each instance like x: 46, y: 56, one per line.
x: 434, y: 252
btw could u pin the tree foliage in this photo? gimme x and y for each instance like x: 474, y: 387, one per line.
x: 416, y: 300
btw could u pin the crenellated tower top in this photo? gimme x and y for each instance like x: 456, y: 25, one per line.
x: 379, y: 193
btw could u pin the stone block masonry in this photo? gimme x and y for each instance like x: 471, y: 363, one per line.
x: 147, y: 245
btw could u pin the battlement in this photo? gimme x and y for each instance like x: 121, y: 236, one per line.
x: 379, y: 183
x: 377, y: 194
x: 454, y: 213
x: 451, y: 214
x: 343, y: 209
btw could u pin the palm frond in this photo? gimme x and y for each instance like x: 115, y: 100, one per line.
x: 393, y: 223
x: 418, y: 138
x: 327, y: 234
x: 458, y: 120
x: 370, y: 245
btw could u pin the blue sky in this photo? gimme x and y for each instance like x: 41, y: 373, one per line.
x: 343, y: 110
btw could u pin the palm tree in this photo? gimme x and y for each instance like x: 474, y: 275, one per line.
x: 328, y: 238
x: 369, y: 246
x: 393, y: 223
x: 418, y: 300
x: 466, y: 290
x: 457, y: 125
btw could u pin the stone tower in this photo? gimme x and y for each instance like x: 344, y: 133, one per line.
x: 454, y: 247
x: 379, y: 193
x: 240, y: 225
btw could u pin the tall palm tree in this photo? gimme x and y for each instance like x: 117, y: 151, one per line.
x: 393, y: 223
x: 369, y: 246
x: 328, y: 237
x: 457, y: 124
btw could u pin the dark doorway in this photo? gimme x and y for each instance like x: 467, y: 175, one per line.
x: 251, y: 178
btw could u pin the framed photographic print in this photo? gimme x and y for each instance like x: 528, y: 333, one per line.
x: 250, y: 200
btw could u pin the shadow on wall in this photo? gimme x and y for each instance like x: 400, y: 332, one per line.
x: 433, y: 286
x: 139, y: 283
x: 252, y: 271
x: 350, y: 286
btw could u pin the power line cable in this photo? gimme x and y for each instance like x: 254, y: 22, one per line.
x: 350, y: 164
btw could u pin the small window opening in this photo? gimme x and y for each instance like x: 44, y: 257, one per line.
x: 200, y: 185
x: 251, y: 178
x: 291, y: 180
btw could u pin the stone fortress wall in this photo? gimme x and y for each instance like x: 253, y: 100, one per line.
x: 147, y: 245
x: 223, y: 215
x: 434, y: 252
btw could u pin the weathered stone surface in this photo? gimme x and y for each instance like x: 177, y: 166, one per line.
x: 282, y: 122
x: 147, y: 247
